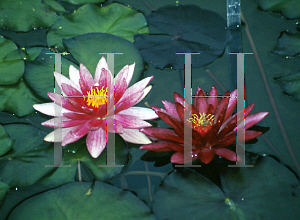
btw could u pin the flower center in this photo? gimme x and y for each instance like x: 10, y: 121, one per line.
x: 202, y: 123
x: 96, y: 97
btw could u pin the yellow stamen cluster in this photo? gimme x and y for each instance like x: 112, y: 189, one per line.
x: 203, y: 120
x: 96, y: 97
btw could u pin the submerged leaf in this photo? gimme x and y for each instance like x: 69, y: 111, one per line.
x: 291, y: 84
x: 288, y: 44
x: 289, y: 8
x: 187, y: 28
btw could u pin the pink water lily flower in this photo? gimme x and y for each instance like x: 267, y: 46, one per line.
x: 213, y: 126
x: 87, y: 105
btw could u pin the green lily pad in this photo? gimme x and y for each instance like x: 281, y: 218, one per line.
x: 290, y: 84
x: 248, y: 193
x: 39, y: 73
x: 25, y: 15
x: 5, y: 141
x: 113, y: 19
x: 11, y: 64
x: 86, y: 48
x: 25, y: 164
x: 186, y: 28
x: 3, y: 190
x: 54, y: 5
x: 288, y: 44
x: 17, y: 99
x: 81, y: 2
x: 83, y: 201
x: 289, y: 8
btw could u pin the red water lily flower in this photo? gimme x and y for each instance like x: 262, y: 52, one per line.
x: 86, y: 107
x: 213, y: 127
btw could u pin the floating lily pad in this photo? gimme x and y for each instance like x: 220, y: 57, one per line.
x: 291, y: 84
x: 289, y: 8
x: 83, y: 201
x: 86, y: 48
x: 288, y: 44
x: 25, y: 164
x: 3, y: 190
x: 248, y: 193
x: 11, y: 64
x: 26, y: 15
x: 187, y: 28
x: 113, y: 19
x: 81, y: 2
x: 54, y: 5
x: 5, y: 141
x: 39, y: 73
x: 18, y: 99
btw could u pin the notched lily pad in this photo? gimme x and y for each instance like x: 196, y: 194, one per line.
x: 5, y: 142
x: 11, y: 64
x: 83, y: 201
x: 288, y: 44
x: 81, y: 2
x: 86, y: 48
x: 39, y: 73
x: 187, y: 28
x: 247, y: 193
x: 25, y: 15
x: 113, y: 19
x: 18, y: 99
x: 290, y: 84
x: 290, y: 8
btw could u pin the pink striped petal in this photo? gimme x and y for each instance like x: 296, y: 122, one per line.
x: 77, y: 116
x: 119, y: 92
x: 105, y: 79
x: 136, y: 88
x: 140, y: 112
x: 128, y: 121
x: 101, y: 64
x: 96, y: 142
x: 60, y: 79
x: 117, y: 126
x: 61, y: 122
x: 122, y: 75
x: 94, y: 124
x: 51, y: 109
x: 130, y: 73
x: 128, y: 102
x: 75, y: 134
x: 60, y: 100
x: 86, y: 76
x: 57, y: 135
x: 70, y: 91
x: 134, y: 136
x: 74, y: 75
